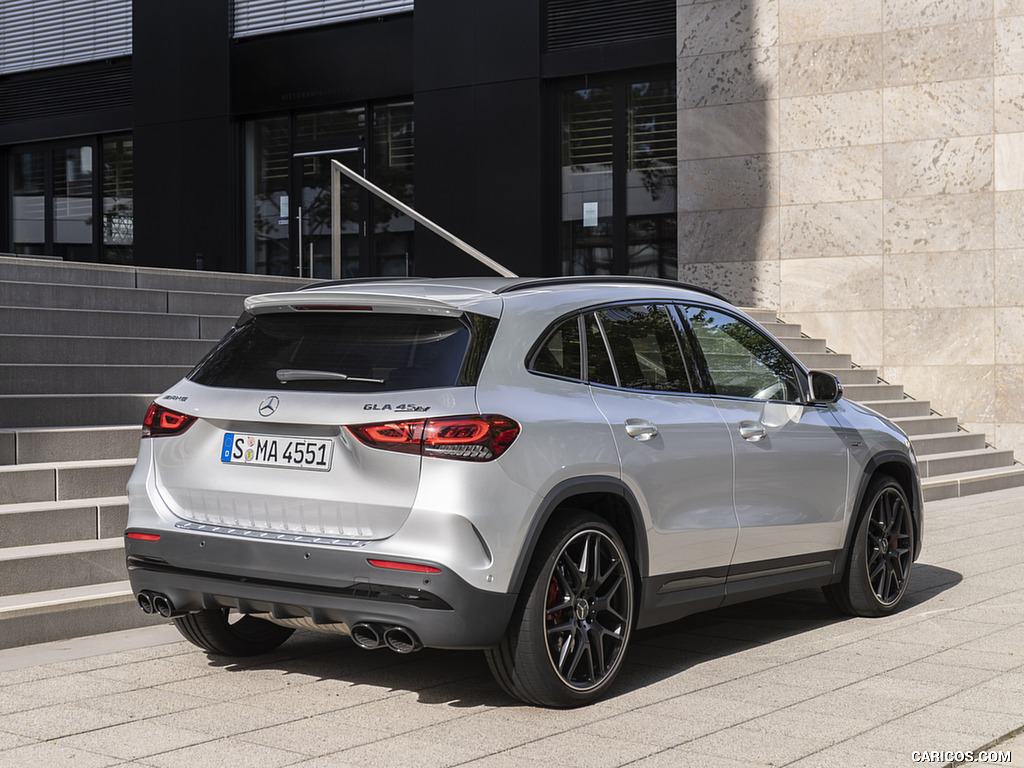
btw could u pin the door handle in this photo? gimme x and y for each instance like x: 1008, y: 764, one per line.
x: 752, y: 431
x: 640, y: 429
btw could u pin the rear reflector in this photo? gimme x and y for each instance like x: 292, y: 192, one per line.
x: 396, y: 566
x: 143, y: 536
x: 468, y: 438
x: 163, y: 422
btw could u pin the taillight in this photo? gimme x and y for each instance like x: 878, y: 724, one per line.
x: 162, y: 422
x: 469, y: 438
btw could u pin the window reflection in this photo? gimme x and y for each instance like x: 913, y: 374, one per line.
x: 618, y: 179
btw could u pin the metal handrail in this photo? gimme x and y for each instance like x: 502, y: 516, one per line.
x: 337, y: 168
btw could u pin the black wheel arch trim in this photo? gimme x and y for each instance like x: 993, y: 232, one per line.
x: 913, y: 496
x: 578, y: 486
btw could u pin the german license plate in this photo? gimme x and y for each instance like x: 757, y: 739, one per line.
x: 277, y: 451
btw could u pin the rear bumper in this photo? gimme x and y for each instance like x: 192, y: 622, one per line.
x: 327, y: 585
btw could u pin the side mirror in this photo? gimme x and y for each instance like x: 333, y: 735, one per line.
x: 825, y: 388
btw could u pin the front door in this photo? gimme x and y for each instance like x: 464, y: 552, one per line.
x: 791, y: 460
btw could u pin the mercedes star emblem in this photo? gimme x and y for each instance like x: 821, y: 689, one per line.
x: 269, y: 405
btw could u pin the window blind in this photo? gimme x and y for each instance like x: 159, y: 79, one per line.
x: 36, y: 34
x: 257, y: 17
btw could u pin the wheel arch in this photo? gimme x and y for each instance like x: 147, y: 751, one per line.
x: 606, y: 497
x: 900, y: 467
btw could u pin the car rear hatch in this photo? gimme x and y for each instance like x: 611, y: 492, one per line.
x: 280, y: 438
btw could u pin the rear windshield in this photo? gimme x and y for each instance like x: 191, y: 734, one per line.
x: 338, y: 352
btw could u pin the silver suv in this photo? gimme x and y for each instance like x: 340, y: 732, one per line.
x: 532, y: 467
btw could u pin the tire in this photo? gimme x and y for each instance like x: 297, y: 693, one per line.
x: 571, y: 626
x: 881, y: 554
x: 211, y: 630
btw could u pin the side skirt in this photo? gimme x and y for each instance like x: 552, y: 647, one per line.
x: 668, y: 597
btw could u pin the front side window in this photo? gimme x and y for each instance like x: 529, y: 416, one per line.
x: 742, y: 361
x: 338, y: 352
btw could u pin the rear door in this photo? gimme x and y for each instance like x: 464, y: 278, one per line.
x: 673, y: 445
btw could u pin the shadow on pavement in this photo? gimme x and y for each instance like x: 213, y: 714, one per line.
x: 462, y: 679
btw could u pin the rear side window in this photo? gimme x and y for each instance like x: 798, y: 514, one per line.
x: 338, y: 352
x: 645, y: 348
x: 561, y: 351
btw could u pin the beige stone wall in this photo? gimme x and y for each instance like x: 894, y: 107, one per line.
x: 859, y: 167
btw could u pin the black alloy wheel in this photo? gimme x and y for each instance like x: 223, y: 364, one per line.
x: 881, y: 556
x: 587, y: 610
x: 890, y: 539
x: 571, y: 628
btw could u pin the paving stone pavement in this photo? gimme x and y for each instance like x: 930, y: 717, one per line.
x: 780, y: 682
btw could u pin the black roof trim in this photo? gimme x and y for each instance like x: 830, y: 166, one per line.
x: 540, y: 282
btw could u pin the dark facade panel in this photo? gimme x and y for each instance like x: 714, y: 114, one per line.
x: 463, y: 42
x: 185, y: 156
x: 71, y: 101
x: 587, y: 23
x: 341, y: 64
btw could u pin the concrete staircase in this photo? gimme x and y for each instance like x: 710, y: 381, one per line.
x: 83, y: 351
x: 953, y: 462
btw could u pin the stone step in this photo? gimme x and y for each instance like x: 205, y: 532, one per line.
x: 957, y: 462
x: 784, y: 330
x: 969, y: 483
x: 52, y: 444
x: 868, y: 393
x: 949, y: 442
x: 801, y: 345
x: 54, y: 379
x: 824, y: 360
x: 43, y: 567
x: 45, y: 321
x: 926, y: 425
x: 28, y: 270
x: 73, y: 410
x: 73, y: 520
x: 110, y: 299
x: 85, y: 350
x: 41, y: 617
x: 896, y: 409
x: 61, y: 481
x: 22, y: 411
x: 765, y: 317
x: 850, y: 376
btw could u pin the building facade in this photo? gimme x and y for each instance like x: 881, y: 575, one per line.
x: 859, y: 166
x: 542, y: 133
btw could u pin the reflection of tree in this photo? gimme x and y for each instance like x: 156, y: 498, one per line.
x: 645, y: 348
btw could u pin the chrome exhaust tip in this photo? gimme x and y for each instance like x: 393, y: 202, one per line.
x: 146, y: 602
x: 162, y: 605
x: 401, y: 640
x: 366, y: 636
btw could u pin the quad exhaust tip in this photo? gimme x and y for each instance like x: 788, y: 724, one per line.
x: 398, y: 639
x: 154, y: 602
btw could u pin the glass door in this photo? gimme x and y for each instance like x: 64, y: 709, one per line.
x: 314, y: 228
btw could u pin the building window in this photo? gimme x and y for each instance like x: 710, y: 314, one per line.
x: 73, y: 200
x: 618, y: 178
x: 289, y: 226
